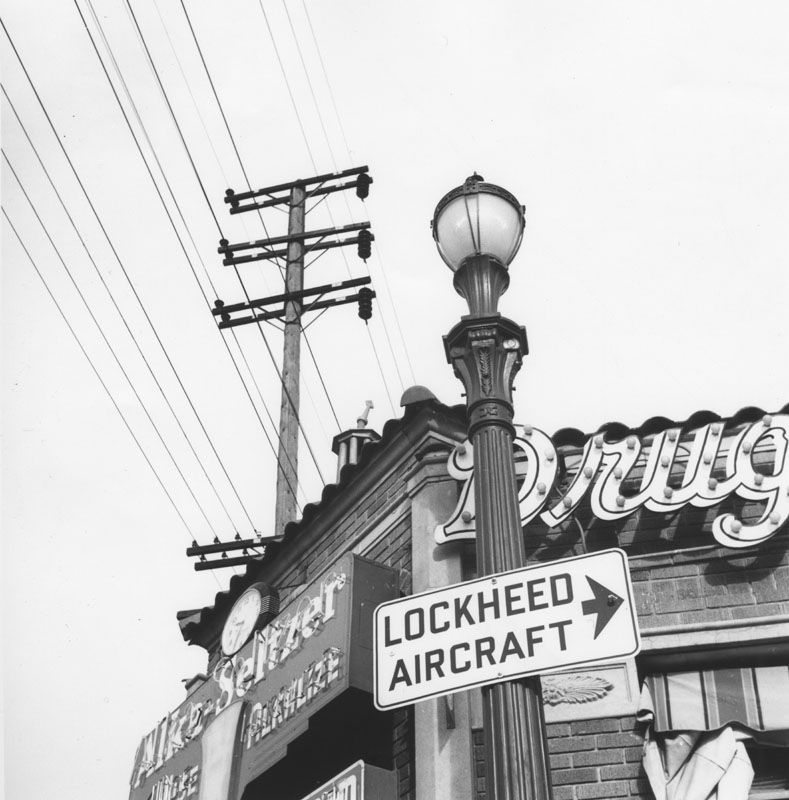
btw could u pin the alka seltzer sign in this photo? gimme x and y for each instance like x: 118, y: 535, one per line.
x: 711, y: 471
x: 524, y: 622
x: 256, y: 702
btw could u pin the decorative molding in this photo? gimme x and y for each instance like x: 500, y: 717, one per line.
x: 594, y: 692
x: 483, y: 352
x: 574, y: 688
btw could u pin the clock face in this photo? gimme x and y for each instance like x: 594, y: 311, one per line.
x: 241, y: 621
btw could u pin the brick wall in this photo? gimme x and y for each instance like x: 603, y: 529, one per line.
x: 597, y: 759
x: 589, y: 759
x: 705, y: 583
x: 394, y: 550
x: 712, y: 585
x: 326, y: 540
x: 403, y: 752
x: 602, y: 758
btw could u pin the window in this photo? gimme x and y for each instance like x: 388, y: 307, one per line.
x: 723, y: 729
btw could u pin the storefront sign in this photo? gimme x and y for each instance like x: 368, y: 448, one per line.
x: 318, y: 646
x: 359, y: 782
x: 177, y: 787
x: 710, y: 473
x: 567, y: 613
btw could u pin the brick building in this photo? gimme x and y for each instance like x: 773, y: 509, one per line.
x: 285, y: 708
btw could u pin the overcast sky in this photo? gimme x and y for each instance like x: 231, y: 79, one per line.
x: 648, y: 141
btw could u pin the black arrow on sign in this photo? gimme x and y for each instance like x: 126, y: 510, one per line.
x: 604, y: 604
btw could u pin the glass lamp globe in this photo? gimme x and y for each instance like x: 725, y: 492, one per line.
x: 478, y: 219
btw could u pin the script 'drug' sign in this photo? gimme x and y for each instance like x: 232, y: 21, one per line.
x: 700, y: 468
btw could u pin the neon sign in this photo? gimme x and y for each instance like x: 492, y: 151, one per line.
x: 169, y: 737
x: 267, y: 717
x: 678, y: 470
x: 233, y: 678
x: 273, y: 645
x: 239, y: 718
x: 177, y: 787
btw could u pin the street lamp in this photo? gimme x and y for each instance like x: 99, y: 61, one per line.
x: 478, y: 229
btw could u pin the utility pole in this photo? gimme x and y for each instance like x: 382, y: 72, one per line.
x: 288, y: 456
x: 289, y: 308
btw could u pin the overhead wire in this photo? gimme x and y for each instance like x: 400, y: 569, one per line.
x: 96, y: 372
x: 317, y: 369
x: 175, y: 202
x: 219, y: 228
x: 326, y: 78
x: 350, y: 159
x: 312, y: 159
x: 109, y: 344
x: 380, y: 369
x: 98, y: 376
x: 334, y: 161
x: 115, y: 253
x: 314, y: 166
x: 172, y: 115
x: 309, y: 84
x: 287, y: 84
x: 222, y: 113
x: 189, y: 89
x: 125, y: 322
x: 169, y: 215
x: 290, y: 92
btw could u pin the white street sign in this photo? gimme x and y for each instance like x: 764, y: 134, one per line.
x: 567, y: 613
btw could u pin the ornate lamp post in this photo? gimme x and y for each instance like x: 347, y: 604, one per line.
x: 478, y: 229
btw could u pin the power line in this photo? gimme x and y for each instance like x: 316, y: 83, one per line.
x: 287, y: 84
x: 189, y: 89
x: 397, y: 323
x: 222, y: 113
x: 58, y: 138
x: 348, y: 151
x: 109, y: 345
x: 309, y: 151
x: 380, y: 369
x: 173, y: 117
x: 98, y: 375
x: 328, y: 82
x: 126, y: 324
x: 317, y: 369
x: 309, y: 84
x: 189, y: 532
x: 164, y: 204
x: 213, y: 214
x: 268, y: 413
x: 328, y: 206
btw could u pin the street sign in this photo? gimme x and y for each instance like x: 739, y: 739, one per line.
x: 567, y: 613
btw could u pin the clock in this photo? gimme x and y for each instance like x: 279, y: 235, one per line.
x: 255, y: 608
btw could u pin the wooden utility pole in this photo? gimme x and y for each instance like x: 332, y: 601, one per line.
x: 287, y: 476
x: 289, y: 308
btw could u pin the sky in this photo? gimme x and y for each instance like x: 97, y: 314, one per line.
x: 648, y: 141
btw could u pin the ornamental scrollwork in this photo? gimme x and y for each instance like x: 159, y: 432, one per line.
x: 573, y: 689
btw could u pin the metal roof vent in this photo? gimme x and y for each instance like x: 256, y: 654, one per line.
x: 348, y: 444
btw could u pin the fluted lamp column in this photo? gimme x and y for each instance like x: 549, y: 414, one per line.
x: 478, y: 229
